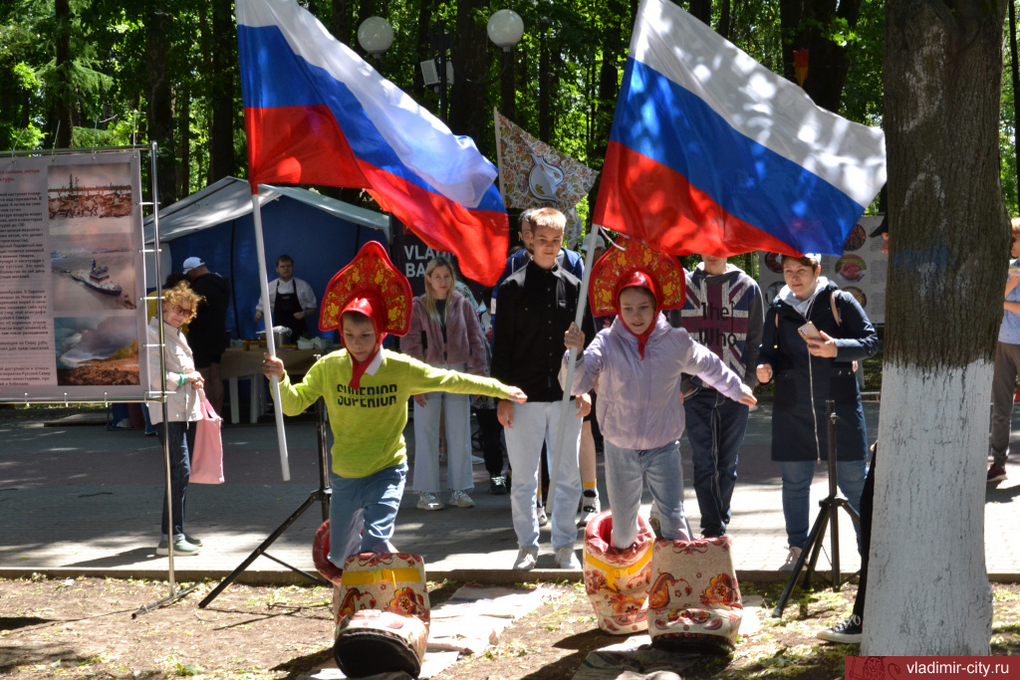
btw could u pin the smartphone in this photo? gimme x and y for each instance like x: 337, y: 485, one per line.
x: 808, y: 331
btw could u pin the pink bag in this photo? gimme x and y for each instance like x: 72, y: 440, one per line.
x: 207, y: 458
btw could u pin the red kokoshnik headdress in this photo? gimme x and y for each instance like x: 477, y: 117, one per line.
x: 372, y: 286
x: 636, y: 265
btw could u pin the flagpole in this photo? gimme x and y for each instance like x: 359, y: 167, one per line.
x: 499, y: 153
x: 582, y: 307
x: 267, y: 312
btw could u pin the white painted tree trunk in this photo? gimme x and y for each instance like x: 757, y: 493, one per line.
x: 928, y: 591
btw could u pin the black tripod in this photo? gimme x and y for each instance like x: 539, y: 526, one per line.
x: 829, y: 505
x: 320, y: 495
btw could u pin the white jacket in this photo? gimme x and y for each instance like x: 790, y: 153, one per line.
x: 640, y: 405
x: 305, y: 295
x: 182, y: 403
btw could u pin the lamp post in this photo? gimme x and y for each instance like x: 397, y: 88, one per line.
x: 505, y: 29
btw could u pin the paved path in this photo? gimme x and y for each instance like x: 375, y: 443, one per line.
x: 79, y: 499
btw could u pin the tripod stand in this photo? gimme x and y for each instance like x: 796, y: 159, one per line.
x: 827, y: 514
x: 320, y: 495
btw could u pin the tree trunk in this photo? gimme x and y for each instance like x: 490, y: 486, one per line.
x: 62, y: 123
x: 341, y: 24
x: 183, y: 101
x: 805, y: 25
x: 613, y: 46
x: 928, y: 589
x: 159, y: 23
x: 423, y: 48
x: 702, y: 9
x: 470, y: 57
x: 224, y: 63
x: 724, y: 19
x: 544, y: 88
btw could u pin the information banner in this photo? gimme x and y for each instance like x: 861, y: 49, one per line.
x: 861, y: 270
x: 71, y: 278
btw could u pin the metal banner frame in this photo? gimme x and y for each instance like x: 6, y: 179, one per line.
x: 145, y: 392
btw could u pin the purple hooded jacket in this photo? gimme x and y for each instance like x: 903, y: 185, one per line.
x: 465, y: 340
x: 640, y: 405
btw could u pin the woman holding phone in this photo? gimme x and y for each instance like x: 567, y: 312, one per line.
x: 814, y: 333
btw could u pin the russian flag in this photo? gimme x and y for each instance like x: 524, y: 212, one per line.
x: 316, y: 113
x: 712, y: 153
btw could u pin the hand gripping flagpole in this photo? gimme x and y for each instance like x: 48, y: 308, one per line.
x: 582, y: 308
x: 274, y: 382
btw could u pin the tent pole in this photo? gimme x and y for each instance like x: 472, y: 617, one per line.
x: 582, y: 306
x: 270, y: 340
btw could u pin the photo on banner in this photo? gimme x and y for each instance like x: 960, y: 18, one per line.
x: 860, y: 270
x: 71, y: 278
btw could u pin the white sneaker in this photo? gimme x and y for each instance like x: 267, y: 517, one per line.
x: 429, y: 501
x: 566, y: 559
x: 590, y: 507
x: 461, y: 499
x: 526, y: 558
x: 791, y: 559
x: 476, y: 460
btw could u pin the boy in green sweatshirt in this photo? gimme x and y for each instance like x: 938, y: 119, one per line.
x: 366, y: 389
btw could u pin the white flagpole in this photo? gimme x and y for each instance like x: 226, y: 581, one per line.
x: 568, y: 410
x: 499, y: 154
x: 270, y: 340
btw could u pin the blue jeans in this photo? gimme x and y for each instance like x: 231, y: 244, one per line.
x: 627, y: 470
x: 797, y: 476
x: 715, y: 428
x: 363, y: 512
x: 181, y: 438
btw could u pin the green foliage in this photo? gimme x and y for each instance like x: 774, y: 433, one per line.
x: 1007, y: 134
x: 106, y: 83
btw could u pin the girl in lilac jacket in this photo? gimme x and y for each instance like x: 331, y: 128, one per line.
x: 638, y: 363
x: 444, y: 332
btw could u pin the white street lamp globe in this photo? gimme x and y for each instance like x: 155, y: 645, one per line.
x: 506, y: 28
x: 375, y: 35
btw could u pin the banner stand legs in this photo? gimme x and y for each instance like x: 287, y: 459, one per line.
x: 320, y: 495
x: 170, y: 599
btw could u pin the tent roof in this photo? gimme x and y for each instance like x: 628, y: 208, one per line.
x: 230, y: 198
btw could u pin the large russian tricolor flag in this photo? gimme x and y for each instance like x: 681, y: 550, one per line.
x: 712, y: 153
x: 316, y: 113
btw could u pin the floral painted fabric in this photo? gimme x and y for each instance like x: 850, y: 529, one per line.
x: 694, y: 599
x: 617, y: 580
x: 534, y: 174
x: 383, y: 598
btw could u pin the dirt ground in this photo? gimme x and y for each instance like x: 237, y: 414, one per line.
x: 83, y: 628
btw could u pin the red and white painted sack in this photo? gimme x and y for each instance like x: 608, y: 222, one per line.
x: 694, y: 600
x: 617, y: 580
x: 382, y: 624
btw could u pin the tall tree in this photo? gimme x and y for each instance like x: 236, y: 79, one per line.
x: 816, y: 25
x: 62, y: 124
x: 340, y: 26
x: 158, y: 28
x: 928, y: 590
x: 470, y: 57
x: 221, y: 91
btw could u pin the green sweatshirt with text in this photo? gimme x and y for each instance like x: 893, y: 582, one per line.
x: 368, y: 423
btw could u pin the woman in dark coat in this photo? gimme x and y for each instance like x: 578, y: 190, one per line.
x: 808, y: 372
